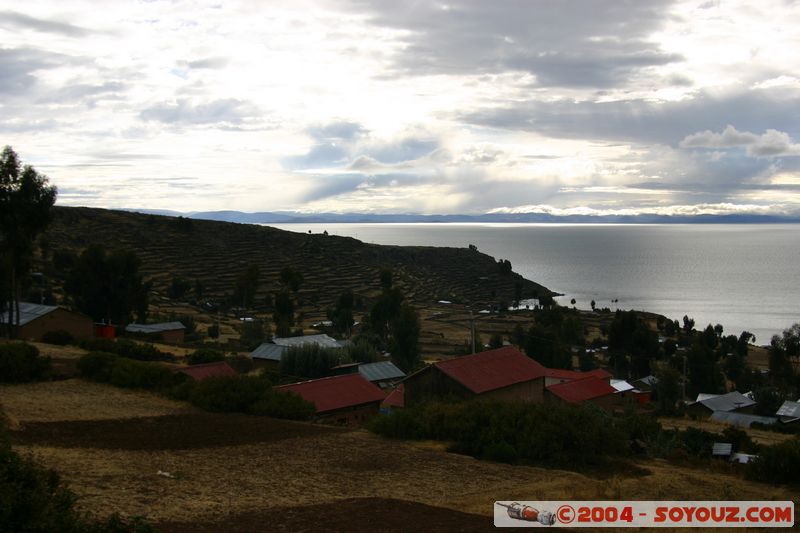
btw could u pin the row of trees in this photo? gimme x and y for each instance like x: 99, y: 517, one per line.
x: 26, y: 199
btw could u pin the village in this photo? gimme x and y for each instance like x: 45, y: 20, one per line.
x: 354, y: 392
x: 217, y: 410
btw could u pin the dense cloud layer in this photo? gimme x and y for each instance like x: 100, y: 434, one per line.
x: 438, y: 107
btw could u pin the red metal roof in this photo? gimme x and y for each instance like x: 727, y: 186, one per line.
x: 494, y: 369
x: 208, y: 370
x: 572, y: 375
x: 582, y: 389
x: 336, y: 392
x: 396, y: 398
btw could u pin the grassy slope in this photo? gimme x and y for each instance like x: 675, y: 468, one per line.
x: 216, y: 252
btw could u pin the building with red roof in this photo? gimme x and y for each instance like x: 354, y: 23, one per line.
x: 557, y: 375
x: 590, y: 389
x: 395, y: 399
x: 504, y: 374
x: 347, y: 399
x: 207, y: 370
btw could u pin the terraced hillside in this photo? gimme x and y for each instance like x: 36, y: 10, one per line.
x: 215, y: 253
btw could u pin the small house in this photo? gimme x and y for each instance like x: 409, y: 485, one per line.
x: 170, y: 332
x: 343, y: 400
x: 591, y: 389
x: 504, y: 374
x: 731, y: 402
x: 36, y: 319
x: 789, y: 412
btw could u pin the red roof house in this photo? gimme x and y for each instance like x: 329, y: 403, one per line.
x: 557, y: 375
x: 578, y: 391
x: 207, y: 370
x: 344, y: 399
x: 504, y: 374
x: 395, y: 399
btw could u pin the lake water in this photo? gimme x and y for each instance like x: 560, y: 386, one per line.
x: 745, y: 277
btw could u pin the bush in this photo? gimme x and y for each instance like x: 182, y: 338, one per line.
x: 283, y: 405
x: 127, y: 348
x: 205, y: 355
x: 20, y: 362
x: 241, y: 363
x: 228, y: 394
x: 128, y: 373
x: 779, y: 463
x: 529, y: 434
x: 139, y: 375
x: 58, y: 337
x: 97, y: 366
x: 309, y: 360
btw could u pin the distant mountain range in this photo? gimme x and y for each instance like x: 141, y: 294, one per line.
x: 286, y: 217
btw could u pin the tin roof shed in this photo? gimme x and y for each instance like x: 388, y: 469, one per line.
x: 380, y: 371
x: 741, y: 419
x: 154, y: 328
x: 28, y: 312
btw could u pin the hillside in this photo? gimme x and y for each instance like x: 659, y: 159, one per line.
x: 215, y: 253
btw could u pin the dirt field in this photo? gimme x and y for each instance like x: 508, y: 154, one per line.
x: 193, y: 471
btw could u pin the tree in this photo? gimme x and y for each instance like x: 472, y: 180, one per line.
x: 26, y: 200
x: 283, y: 316
x: 246, y: 286
x: 108, y: 286
x: 405, y: 339
x: 291, y: 279
x: 342, y: 314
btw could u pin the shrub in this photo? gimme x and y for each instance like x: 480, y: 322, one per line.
x: 58, y: 337
x: 532, y: 434
x: 139, y: 375
x: 123, y: 372
x: 283, y: 405
x: 228, y: 394
x: 779, y: 463
x: 21, y: 362
x: 97, y: 365
x: 205, y: 355
x: 309, y: 360
x: 241, y: 363
x: 127, y: 348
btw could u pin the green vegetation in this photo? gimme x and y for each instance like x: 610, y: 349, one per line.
x: 205, y: 355
x: 395, y: 324
x: 20, y: 362
x: 33, y: 498
x: 108, y: 286
x: 128, y: 373
x: 310, y: 361
x: 779, y: 463
x: 127, y: 348
x: 527, y: 434
x: 26, y: 200
x: 241, y: 394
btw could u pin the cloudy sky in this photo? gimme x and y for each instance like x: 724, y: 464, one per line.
x: 466, y: 106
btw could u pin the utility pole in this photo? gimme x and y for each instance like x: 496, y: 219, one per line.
x: 472, y: 329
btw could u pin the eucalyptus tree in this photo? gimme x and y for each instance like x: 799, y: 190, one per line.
x: 26, y: 201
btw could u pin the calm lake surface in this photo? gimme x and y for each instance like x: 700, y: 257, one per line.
x: 745, y: 277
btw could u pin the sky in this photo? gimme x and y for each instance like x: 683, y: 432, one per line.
x: 466, y: 106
